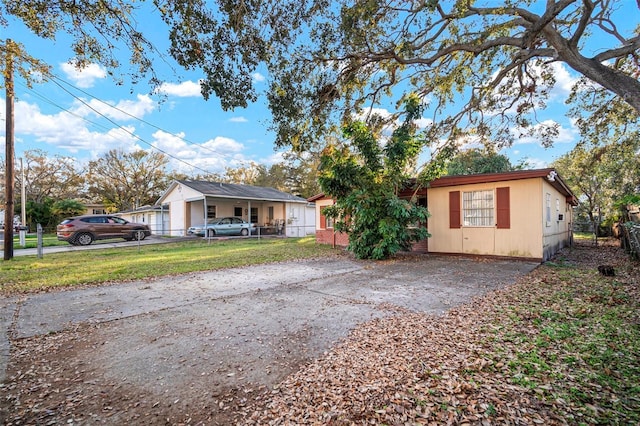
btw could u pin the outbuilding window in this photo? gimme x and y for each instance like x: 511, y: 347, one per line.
x: 477, y: 208
x: 548, y: 209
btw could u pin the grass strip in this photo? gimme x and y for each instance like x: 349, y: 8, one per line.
x: 25, y: 274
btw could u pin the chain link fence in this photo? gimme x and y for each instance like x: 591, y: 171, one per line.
x: 631, y: 239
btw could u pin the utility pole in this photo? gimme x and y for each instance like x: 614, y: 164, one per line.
x: 23, y: 197
x: 9, y: 154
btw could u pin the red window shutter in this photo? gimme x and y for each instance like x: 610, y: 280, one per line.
x: 503, y: 210
x: 454, y: 209
x: 323, y: 219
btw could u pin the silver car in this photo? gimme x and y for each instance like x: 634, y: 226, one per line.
x: 223, y: 226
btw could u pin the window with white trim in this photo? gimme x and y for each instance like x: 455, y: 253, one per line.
x: 548, y: 209
x: 325, y: 222
x: 477, y: 208
x: 211, y: 212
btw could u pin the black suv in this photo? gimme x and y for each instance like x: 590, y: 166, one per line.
x: 83, y: 230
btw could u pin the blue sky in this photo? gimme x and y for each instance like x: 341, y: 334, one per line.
x: 86, y: 114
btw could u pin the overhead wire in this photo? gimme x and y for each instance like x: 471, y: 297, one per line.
x: 60, y: 82
x: 206, y: 148
x: 139, y: 138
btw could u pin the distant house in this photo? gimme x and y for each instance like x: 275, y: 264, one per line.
x: 522, y: 214
x: 95, y: 208
x: 157, y: 217
x: 193, y: 202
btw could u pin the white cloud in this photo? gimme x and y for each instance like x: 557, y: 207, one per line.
x: 423, y: 123
x: 537, y: 163
x: 213, y: 155
x: 258, y: 77
x: 123, y: 110
x: 183, y: 90
x: 239, y: 119
x: 65, y: 130
x: 565, y: 134
x: 85, y: 77
x: 276, y: 157
x: 564, y: 81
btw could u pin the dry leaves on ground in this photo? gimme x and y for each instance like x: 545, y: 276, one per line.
x: 543, y: 351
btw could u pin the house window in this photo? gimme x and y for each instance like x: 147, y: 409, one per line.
x: 548, y: 209
x: 325, y: 222
x: 477, y: 208
x: 237, y: 211
x: 254, y: 215
x: 211, y: 212
x: 270, y: 215
x: 99, y: 211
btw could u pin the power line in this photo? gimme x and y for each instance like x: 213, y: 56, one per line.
x: 101, y: 126
x: 137, y: 118
x: 129, y: 132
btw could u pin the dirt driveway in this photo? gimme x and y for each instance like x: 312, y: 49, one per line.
x: 206, y: 348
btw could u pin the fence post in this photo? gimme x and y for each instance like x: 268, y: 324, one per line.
x: 23, y: 235
x: 39, y: 243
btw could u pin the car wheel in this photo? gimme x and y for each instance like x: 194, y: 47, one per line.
x: 138, y: 235
x: 244, y: 232
x: 84, y: 239
x: 211, y: 233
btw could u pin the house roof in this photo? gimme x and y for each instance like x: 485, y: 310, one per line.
x: 550, y: 174
x: 237, y: 191
x: 146, y: 208
x: 315, y: 197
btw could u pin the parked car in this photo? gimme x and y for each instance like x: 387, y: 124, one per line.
x: 222, y: 226
x: 83, y: 230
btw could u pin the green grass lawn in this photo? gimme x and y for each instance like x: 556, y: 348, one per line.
x: 31, y: 241
x: 564, y: 341
x: 30, y: 274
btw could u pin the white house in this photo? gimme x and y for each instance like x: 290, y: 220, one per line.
x: 193, y: 202
x: 157, y: 217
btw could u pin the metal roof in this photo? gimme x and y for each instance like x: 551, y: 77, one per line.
x: 234, y: 190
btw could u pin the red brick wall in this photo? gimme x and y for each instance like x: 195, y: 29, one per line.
x: 420, y: 246
x: 326, y: 236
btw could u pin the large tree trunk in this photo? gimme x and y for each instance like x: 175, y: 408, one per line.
x: 628, y: 88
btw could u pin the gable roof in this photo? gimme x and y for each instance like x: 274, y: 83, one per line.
x: 550, y: 174
x: 237, y: 191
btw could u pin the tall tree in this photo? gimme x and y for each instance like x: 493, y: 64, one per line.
x: 246, y: 174
x: 365, y: 179
x: 601, y: 176
x: 124, y: 181
x: 486, y: 69
x: 296, y: 174
x: 329, y: 59
x: 50, y: 176
x: 477, y: 160
x: 302, y: 172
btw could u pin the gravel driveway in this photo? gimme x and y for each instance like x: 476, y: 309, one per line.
x: 195, y: 348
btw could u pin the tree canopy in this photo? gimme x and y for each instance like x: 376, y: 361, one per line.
x: 602, y: 176
x: 486, y: 70
x: 475, y: 160
x: 125, y: 181
x: 366, y: 179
